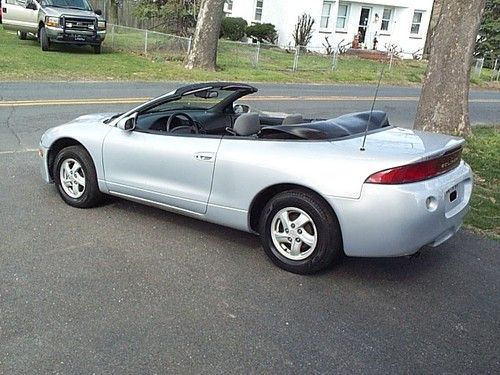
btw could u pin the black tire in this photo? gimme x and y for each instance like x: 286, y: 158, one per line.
x: 21, y: 35
x: 91, y: 195
x: 44, y: 39
x: 97, y: 49
x: 328, y: 246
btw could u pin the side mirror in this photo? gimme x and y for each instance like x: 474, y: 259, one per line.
x: 241, y: 108
x: 98, y: 12
x: 127, y: 123
x: 31, y: 5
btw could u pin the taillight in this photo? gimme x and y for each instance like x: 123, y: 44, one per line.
x: 418, y: 171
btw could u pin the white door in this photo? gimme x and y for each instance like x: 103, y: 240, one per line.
x: 364, y: 19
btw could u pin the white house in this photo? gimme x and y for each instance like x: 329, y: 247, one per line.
x: 402, y: 23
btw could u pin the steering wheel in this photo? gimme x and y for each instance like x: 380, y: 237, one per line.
x: 192, y: 124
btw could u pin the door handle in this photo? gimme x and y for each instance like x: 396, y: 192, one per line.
x: 204, y: 156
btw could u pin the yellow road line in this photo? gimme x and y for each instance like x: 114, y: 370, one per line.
x: 58, y: 102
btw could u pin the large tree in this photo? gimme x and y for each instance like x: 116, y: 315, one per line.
x: 203, y: 53
x: 435, y: 14
x: 444, y: 102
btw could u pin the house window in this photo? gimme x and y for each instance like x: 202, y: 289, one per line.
x: 258, y: 10
x: 325, y: 14
x: 386, y: 19
x: 228, y: 7
x: 417, y: 20
x: 342, y: 16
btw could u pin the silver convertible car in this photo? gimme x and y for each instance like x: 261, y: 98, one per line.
x: 308, y: 187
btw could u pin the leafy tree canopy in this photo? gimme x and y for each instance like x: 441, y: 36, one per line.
x: 488, y: 42
x: 173, y: 16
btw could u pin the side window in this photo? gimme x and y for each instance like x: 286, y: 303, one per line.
x: 416, y: 21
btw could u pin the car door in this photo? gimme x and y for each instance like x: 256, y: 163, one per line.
x: 173, y: 170
x: 17, y: 17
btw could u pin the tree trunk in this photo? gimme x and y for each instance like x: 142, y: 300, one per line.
x: 435, y: 14
x: 203, y: 53
x: 444, y: 102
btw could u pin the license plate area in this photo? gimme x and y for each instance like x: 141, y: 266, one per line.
x: 454, y: 198
x: 452, y: 194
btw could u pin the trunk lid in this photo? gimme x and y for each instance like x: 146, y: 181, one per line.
x: 402, y: 145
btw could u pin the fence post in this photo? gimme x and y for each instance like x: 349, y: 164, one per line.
x: 190, y: 43
x: 478, y: 67
x: 334, y: 59
x: 256, y: 57
x: 296, y: 59
x: 497, y: 63
x: 391, y: 58
x: 496, y: 68
x: 113, y: 37
x: 146, y: 43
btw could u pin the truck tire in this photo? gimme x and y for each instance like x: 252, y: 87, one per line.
x: 21, y: 35
x: 44, y: 39
x: 97, y: 49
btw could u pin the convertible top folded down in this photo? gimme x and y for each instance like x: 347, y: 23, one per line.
x: 340, y: 127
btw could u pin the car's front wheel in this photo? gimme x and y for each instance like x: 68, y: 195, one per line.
x: 97, y: 49
x: 299, y: 232
x: 75, y: 177
x: 44, y: 39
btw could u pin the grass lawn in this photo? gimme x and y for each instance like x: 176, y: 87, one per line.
x: 24, y: 60
x: 483, y: 154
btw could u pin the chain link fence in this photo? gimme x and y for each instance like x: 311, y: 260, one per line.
x: 148, y: 43
x: 489, y: 62
x: 167, y: 47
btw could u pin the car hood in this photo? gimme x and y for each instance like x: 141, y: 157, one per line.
x: 77, y: 126
x: 57, y: 12
x: 95, y: 117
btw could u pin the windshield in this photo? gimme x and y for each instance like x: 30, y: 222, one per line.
x: 71, y: 4
x: 200, y: 100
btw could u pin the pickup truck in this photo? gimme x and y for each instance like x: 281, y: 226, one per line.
x: 55, y: 21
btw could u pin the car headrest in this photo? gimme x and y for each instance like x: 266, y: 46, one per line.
x: 296, y: 118
x: 247, y: 124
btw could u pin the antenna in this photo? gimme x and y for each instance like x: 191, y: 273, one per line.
x: 371, y: 110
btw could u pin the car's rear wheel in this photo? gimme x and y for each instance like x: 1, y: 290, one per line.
x: 21, y: 35
x: 44, y: 39
x: 75, y: 177
x: 299, y: 232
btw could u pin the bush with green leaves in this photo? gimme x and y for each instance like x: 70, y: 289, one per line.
x: 233, y: 28
x: 263, y: 32
x: 488, y: 41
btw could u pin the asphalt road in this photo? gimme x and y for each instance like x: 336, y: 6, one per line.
x: 29, y: 108
x: 125, y: 288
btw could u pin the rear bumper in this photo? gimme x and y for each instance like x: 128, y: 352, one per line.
x: 397, y: 220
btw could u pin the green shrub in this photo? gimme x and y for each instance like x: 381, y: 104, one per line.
x: 233, y: 28
x: 263, y: 32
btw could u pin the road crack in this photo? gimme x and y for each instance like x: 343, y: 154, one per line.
x: 9, y: 126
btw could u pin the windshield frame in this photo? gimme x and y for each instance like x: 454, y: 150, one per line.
x: 67, y: 5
